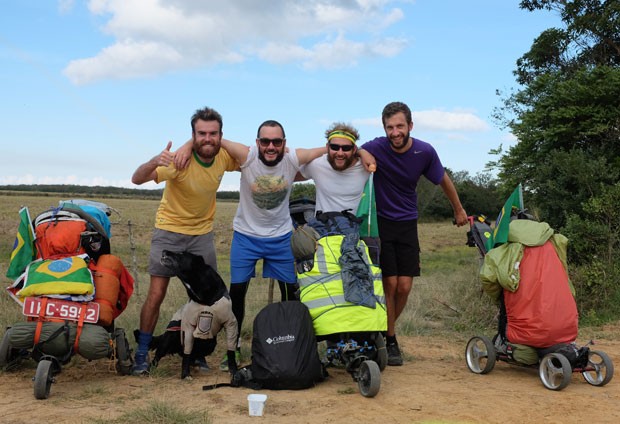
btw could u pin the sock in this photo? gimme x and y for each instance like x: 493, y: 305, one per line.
x: 144, y: 339
x: 390, y: 339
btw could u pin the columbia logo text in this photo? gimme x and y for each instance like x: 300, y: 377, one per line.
x: 281, y: 339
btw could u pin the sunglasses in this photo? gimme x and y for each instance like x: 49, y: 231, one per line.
x: 265, y: 142
x: 336, y: 147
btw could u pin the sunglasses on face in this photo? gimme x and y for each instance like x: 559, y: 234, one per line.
x: 265, y: 142
x: 336, y: 147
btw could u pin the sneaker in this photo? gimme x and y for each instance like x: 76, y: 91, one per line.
x: 141, y: 364
x: 201, y: 364
x: 394, y: 356
x: 224, y: 363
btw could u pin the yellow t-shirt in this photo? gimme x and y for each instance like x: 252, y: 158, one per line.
x: 188, y: 203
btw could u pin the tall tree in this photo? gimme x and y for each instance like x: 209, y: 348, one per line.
x: 568, y: 106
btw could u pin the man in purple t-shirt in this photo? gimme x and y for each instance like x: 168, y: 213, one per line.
x: 401, y: 160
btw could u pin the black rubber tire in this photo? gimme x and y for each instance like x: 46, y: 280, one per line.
x: 603, y: 370
x: 124, y: 361
x: 480, y: 355
x: 555, y: 371
x: 382, y: 356
x: 43, y: 379
x: 369, y: 379
x: 5, y: 349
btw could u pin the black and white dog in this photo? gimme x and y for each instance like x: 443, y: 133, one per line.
x: 193, y: 330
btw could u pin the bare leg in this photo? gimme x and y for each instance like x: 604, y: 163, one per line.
x: 389, y: 289
x: 150, y: 309
x: 403, y: 289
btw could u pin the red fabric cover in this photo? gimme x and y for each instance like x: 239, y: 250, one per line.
x: 542, y: 312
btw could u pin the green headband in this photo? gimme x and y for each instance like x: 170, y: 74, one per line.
x: 342, y: 134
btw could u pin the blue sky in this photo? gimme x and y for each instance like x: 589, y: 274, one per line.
x: 92, y: 89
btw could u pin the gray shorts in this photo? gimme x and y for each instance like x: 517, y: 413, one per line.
x: 203, y: 245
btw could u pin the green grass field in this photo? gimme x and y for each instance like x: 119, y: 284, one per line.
x: 446, y: 298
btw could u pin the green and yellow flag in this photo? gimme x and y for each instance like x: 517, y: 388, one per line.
x: 500, y: 232
x: 23, y: 249
x: 367, y: 210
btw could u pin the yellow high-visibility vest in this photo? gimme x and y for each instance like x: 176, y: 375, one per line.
x: 322, y: 292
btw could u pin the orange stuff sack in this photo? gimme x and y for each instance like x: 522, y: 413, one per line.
x: 106, y: 275
x: 59, y: 238
x: 542, y: 312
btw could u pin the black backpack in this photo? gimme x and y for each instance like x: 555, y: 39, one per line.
x: 284, y: 351
x: 284, y: 348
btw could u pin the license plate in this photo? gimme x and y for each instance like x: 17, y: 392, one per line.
x: 62, y: 309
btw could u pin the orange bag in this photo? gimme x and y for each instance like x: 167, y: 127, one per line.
x: 106, y: 275
x: 542, y: 312
x: 59, y: 238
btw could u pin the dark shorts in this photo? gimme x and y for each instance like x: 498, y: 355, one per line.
x: 202, y: 245
x: 400, y: 248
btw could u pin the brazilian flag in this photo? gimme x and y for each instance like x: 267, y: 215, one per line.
x: 23, y: 249
x: 68, y: 275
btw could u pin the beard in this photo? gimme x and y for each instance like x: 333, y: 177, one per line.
x: 405, y: 142
x: 274, y: 162
x: 347, y: 162
x: 206, y: 152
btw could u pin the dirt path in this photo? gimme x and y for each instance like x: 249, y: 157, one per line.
x: 434, y: 385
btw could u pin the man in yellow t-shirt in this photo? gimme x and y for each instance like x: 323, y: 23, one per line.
x: 184, y: 219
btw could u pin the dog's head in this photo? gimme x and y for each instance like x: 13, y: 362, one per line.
x: 182, y: 264
x: 204, y: 285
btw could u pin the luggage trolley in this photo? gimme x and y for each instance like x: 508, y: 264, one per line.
x: 73, y: 236
x: 352, y: 331
x: 555, y: 364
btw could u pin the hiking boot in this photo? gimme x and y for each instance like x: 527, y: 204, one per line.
x: 141, y: 364
x: 224, y: 363
x: 201, y: 364
x: 394, y: 356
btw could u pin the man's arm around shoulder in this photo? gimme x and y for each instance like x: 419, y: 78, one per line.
x: 306, y: 155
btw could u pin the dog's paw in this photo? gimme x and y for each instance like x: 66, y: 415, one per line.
x: 188, y: 377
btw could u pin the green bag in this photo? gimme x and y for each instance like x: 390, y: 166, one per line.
x: 367, y: 210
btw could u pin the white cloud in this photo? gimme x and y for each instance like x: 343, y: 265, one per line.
x: 448, y: 121
x: 155, y: 36
x: 436, y: 120
x: 65, y: 6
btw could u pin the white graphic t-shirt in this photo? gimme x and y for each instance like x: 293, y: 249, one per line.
x: 264, y: 195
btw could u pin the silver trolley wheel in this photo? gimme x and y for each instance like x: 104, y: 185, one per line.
x: 602, y: 369
x: 43, y: 379
x: 369, y: 378
x: 124, y: 361
x: 480, y: 355
x: 382, y: 356
x: 555, y: 371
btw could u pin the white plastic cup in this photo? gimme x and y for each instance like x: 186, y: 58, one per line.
x: 256, y: 403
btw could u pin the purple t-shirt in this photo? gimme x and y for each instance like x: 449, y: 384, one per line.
x: 397, y: 176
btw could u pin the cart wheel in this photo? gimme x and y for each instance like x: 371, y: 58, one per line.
x: 555, y: 371
x: 5, y: 349
x: 602, y: 369
x: 43, y: 379
x: 124, y: 362
x: 480, y: 355
x: 369, y: 380
x: 382, y: 356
